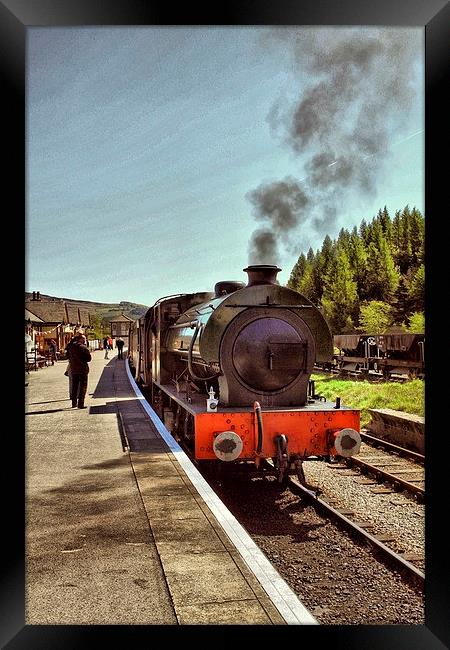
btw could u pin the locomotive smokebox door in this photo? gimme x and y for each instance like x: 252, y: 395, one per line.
x: 268, y: 354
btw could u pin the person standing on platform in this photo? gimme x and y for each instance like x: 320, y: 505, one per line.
x: 79, y: 356
x: 52, y: 350
x: 106, y: 346
x: 119, y: 345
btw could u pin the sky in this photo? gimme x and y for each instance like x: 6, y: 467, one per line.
x: 162, y: 160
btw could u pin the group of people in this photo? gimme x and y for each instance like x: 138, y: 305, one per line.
x: 108, y: 345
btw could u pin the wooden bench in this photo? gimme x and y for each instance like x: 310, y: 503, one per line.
x: 34, y: 361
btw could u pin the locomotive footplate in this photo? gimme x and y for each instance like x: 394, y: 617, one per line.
x: 197, y: 405
x: 309, y: 430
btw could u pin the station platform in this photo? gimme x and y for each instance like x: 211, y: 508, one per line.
x: 120, y: 526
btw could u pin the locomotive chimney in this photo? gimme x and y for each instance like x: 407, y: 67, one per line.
x: 262, y: 274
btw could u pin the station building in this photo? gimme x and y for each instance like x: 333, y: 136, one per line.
x: 120, y: 326
x: 47, y: 319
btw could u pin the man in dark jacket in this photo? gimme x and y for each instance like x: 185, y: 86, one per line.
x: 106, y: 347
x: 79, y: 355
x: 119, y: 345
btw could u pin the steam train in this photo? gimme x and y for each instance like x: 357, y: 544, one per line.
x: 228, y: 372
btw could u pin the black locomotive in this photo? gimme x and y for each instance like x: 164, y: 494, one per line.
x: 229, y: 373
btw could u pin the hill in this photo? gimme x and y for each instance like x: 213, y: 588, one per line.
x: 103, y: 310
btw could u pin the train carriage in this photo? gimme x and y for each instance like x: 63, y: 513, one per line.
x: 384, y: 354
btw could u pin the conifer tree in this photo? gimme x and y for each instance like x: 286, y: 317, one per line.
x: 340, y: 297
x: 416, y: 323
x: 416, y: 236
x: 344, y: 239
x: 417, y: 289
x: 297, y: 272
x: 306, y: 286
x: 358, y: 262
x: 386, y: 224
x: 363, y: 231
x: 322, y: 264
x: 379, y: 263
x: 402, y: 301
x: 396, y: 237
x: 382, y: 276
x: 404, y: 256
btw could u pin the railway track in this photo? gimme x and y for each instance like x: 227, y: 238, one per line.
x: 340, y: 567
x: 400, y: 468
x: 389, y: 446
x: 317, y: 576
x: 381, y: 543
x: 363, y: 530
x: 384, y: 546
x: 385, y: 471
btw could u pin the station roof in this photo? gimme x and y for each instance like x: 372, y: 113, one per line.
x: 32, y: 317
x: 56, y: 311
x: 49, y: 311
x: 120, y: 319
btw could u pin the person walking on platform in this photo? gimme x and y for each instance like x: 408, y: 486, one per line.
x: 106, y: 346
x: 119, y: 345
x: 79, y: 356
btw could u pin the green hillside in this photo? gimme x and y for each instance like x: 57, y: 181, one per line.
x: 101, y: 313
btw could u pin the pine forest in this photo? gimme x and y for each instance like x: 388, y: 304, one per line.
x: 371, y: 279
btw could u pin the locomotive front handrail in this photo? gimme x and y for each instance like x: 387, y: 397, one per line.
x: 190, y: 323
x: 202, y: 313
x: 273, y: 304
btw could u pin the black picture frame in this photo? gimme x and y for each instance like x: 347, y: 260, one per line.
x: 434, y: 15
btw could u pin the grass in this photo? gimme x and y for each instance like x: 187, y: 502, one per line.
x: 408, y: 397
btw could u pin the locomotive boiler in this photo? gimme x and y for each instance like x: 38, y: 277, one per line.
x: 229, y: 374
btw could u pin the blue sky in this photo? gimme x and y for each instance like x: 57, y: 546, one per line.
x: 144, y: 145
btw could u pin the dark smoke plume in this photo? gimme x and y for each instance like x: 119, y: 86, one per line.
x: 356, y: 95
x: 281, y: 206
x: 263, y: 247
